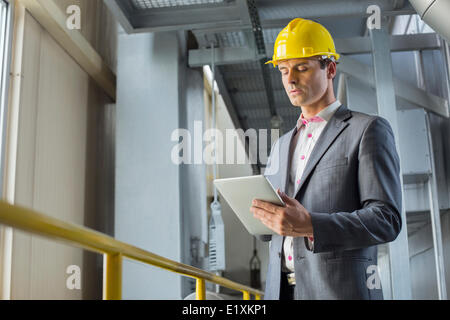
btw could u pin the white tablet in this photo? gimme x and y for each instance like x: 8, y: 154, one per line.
x: 240, y: 192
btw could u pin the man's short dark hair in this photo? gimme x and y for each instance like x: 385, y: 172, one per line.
x: 325, y: 62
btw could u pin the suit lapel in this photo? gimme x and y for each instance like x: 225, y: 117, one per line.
x: 332, y: 129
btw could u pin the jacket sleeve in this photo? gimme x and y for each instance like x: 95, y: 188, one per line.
x: 379, y: 219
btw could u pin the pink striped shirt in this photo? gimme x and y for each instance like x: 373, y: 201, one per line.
x: 304, y: 140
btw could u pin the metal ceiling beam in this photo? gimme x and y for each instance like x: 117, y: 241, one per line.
x: 205, y: 41
x: 357, y: 45
x: 311, y: 9
x: 365, y: 74
x: 230, y: 15
x: 121, y: 11
x: 190, y: 17
x: 403, y: 90
x: 186, y: 18
x: 412, y: 42
x: 308, y: 12
x: 281, y: 23
x: 224, y: 56
x: 223, y: 90
x: 259, y: 91
x: 263, y: 69
x: 353, y: 45
x: 255, y: 39
x: 416, y: 97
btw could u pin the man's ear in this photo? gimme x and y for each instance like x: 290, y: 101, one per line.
x: 332, y: 70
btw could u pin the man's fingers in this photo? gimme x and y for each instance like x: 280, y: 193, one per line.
x: 267, y: 206
x: 273, y: 221
x: 267, y: 218
x: 262, y: 213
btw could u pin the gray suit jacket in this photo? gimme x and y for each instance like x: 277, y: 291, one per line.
x: 351, y: 187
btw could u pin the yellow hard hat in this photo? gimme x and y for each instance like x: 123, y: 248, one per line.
x: 302, y: 39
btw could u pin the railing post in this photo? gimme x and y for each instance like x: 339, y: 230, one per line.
x: 112, y: 277
x: 246, y: 295
x: 200, y: 289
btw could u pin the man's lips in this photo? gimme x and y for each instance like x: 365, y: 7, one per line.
x: 296, y: 91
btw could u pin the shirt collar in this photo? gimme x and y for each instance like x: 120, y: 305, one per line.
x: 324, y: 115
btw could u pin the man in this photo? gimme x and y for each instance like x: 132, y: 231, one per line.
x: 338, y: 175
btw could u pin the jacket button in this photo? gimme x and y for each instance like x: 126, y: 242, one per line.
x: 279, y: 254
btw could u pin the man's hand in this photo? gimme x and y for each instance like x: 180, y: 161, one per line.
x: 292, y: 220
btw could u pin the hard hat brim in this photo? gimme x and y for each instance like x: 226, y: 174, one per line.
x: 275, y: 62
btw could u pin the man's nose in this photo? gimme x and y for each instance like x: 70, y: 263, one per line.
x: 291, y: 78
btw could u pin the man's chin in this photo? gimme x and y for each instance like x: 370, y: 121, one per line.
x: 296, y: 103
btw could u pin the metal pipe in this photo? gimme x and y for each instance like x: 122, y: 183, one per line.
x: 213, y: 121
x: 435, y: 14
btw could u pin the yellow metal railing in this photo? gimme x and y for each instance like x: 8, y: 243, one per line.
x: 114, y: 252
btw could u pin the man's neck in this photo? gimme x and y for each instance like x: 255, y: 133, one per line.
x: 310, y: 111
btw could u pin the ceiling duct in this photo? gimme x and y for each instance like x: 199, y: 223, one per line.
x: 435, y: 14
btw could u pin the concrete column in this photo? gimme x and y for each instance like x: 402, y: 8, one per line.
x: 194, y: 212
x: 148, y: 184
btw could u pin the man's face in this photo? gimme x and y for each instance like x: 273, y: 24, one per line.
x: 304, y: 81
